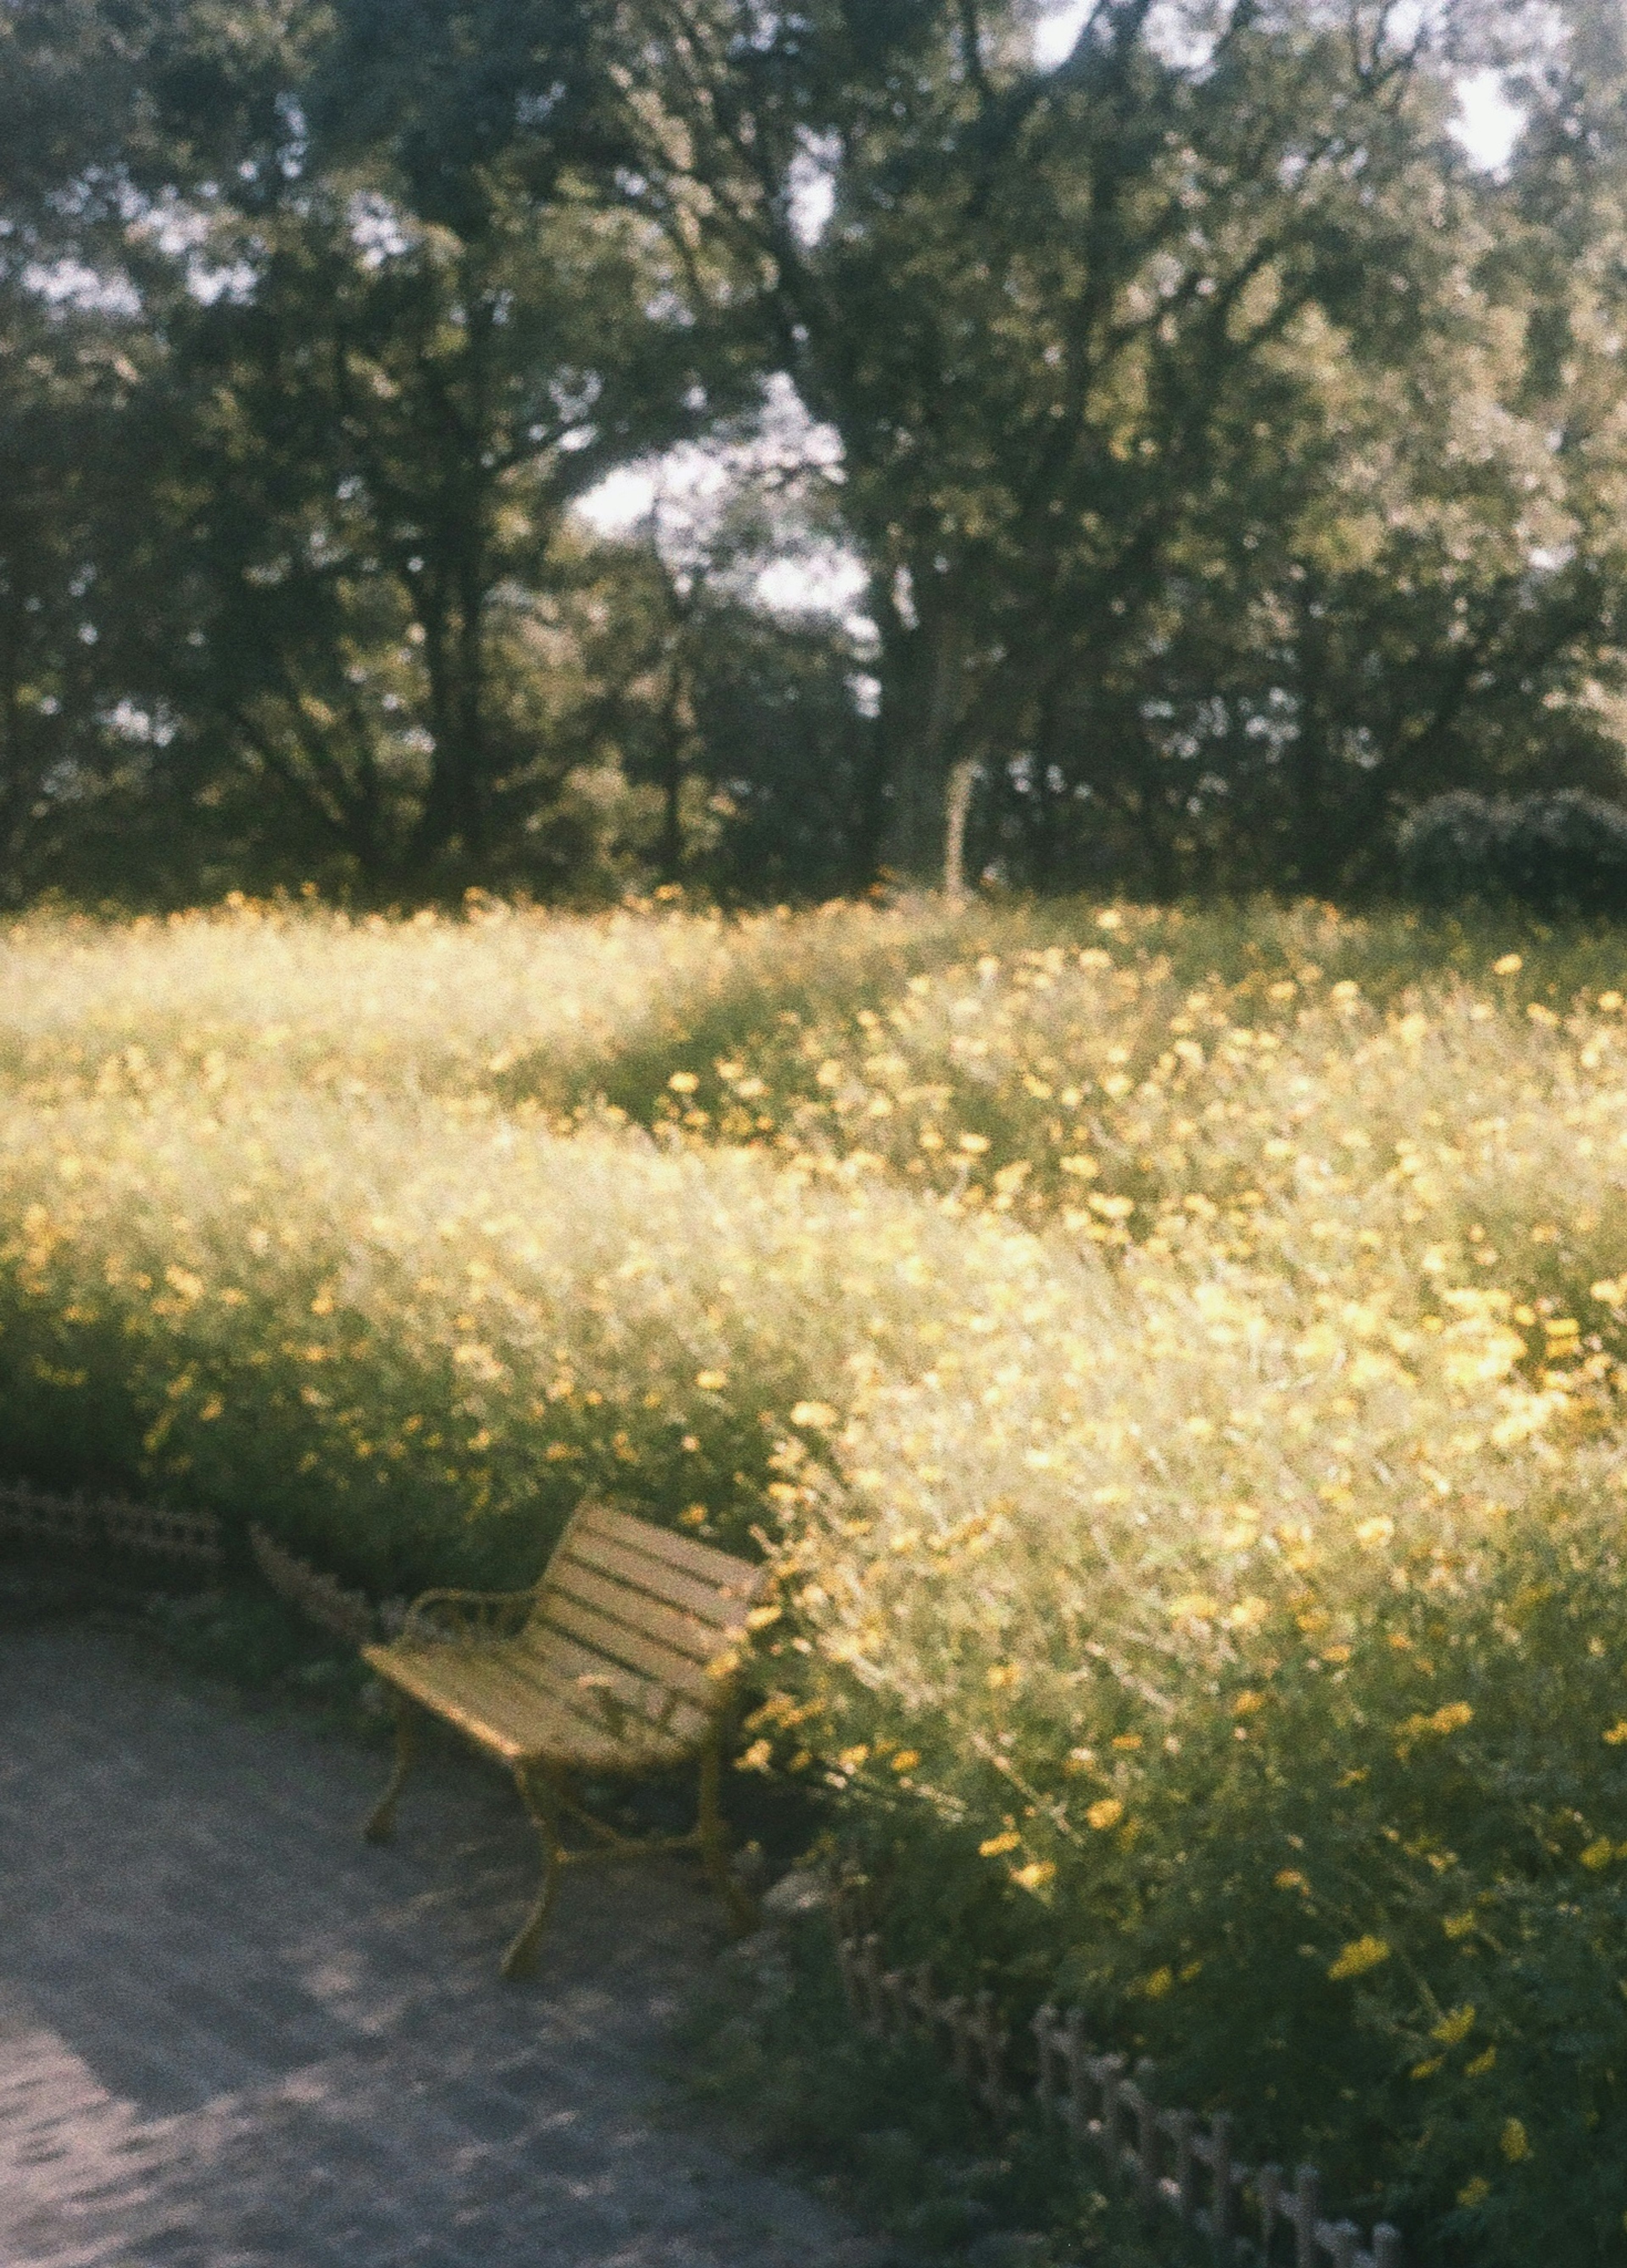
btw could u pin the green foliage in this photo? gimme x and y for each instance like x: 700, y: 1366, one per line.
x: 1230, y: 465
x: 1198, y: 410
x: 1175, y: 1361
x: 888, y: 2129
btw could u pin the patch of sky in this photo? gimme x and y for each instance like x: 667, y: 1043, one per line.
x: 1488, y: 124
x: 379, y: 230
x: 814, y: 186
x: 89, y: 290
x: 682, y: 499
x: 232, y: 280
x: 687, y: 501
x: 129, y: 721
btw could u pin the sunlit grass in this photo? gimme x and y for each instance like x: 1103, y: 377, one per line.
x: 1176, y: 1359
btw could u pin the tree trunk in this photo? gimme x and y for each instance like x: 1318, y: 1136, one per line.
x: 473, y: 785
x: 926, y: 697
x: 455, y: 804
x: 669, y: 848
x: 1317, y: 859
x: 958, y: 804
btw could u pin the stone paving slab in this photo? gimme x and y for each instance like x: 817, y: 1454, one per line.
x: 232, y: 2036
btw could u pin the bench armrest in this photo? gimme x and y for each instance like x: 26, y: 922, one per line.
x: 466, y: 1617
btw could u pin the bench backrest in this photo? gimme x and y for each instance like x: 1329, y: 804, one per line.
x: 640, y: 1622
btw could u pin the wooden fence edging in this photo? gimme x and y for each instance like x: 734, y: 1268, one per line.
x: 348, y: 1615
x: 1173, y: 2160
x: 109, y: 1522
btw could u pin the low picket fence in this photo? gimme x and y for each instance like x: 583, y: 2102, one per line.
x: 348, y: 1615
x: 86, y: 1520
x: 96, y: 1523
x: 1173, y: 2161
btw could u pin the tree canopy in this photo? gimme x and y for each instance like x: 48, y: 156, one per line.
x: 1227, y: 462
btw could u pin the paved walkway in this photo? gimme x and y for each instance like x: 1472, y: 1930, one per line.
x: 233, y: 2036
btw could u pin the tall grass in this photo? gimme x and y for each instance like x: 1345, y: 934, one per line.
x: 1175, y: 1361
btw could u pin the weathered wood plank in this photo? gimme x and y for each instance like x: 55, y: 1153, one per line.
x: 648, y: 1578
x: 493, y: 1703
x: 639, y: 1713
x: 616, y: 1642
x: 472, y: 1713
x: 563, y: 1665
x: 683, y: 1632
x: 719, y: 1569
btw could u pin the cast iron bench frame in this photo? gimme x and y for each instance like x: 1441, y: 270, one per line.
x: 621, y: 1662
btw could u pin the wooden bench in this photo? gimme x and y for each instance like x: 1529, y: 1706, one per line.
x: 621, y: 1662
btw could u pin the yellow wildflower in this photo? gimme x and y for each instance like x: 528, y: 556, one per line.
x: 1357, y: 1958
x: 1035, y: 1875
x: 818, y: 1415
x: 1451, y: 1717
x: 1248, y: 1614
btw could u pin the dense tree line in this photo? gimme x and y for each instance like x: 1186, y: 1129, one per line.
x: 1232, y: 467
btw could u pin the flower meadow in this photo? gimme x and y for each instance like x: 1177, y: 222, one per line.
x: 1173, y: 1359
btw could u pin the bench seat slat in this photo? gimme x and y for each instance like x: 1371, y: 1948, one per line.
x: 480, y: 1692
x: 648, y: 1578
x: 684, y: 1633
x: 561, y: 1664
x: 457, y: 1684
x: 478, y: 1688
x: 527, y: 1669
x: 615, y: 1642
x: 718, y: 1568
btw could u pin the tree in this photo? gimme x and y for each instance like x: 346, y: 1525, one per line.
x: 442, y: 337
x: 1063, y: 319
x: 1232, y: 467
x: 392, y: 340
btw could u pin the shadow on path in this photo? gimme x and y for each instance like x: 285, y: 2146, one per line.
x: 232, y: 2036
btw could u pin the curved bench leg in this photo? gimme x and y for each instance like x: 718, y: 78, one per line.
x: 380, y: 1822
x: 713, y: 1836
x: 541, y: 1799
